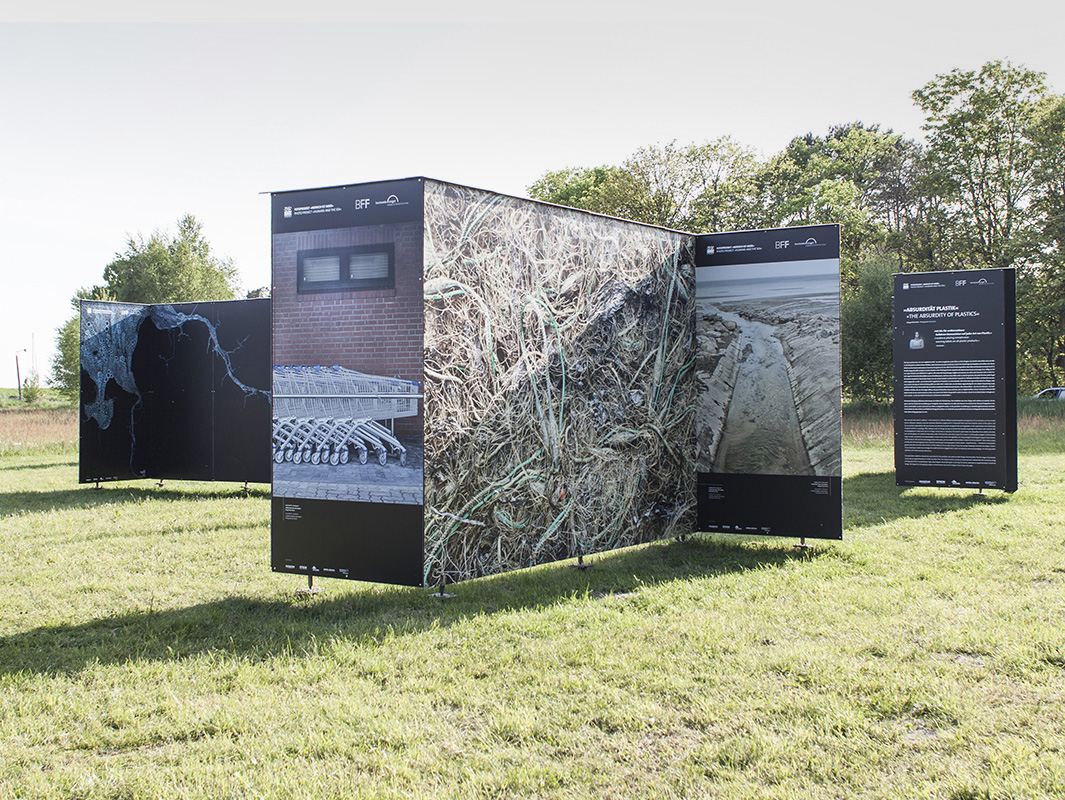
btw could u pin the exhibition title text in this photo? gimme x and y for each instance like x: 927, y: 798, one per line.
x: 937, y: 312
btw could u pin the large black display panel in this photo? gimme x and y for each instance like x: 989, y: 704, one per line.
x: 956, y: 379
x: 347, y: 440
x: 178, y: 391
x: 768, y: 409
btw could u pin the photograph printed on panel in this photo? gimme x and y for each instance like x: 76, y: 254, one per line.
x: 335, y: 436
x: 768, y: 345
x: 174, y: 390
x: 347, y: 343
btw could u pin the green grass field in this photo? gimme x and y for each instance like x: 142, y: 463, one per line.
x: 147, y: 651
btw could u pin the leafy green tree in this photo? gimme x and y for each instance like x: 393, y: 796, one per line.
x: 997, y: 160
x: 696, y: 187
x: 924, y: 239
x: 66, y: 370
x: 604, y: 190
x: 1046, y: 135
x: 988, y: 190
x: 165, y: 269
x: 1041, y: 281
x: 692, y: 187
x: 1040, y: 326
x: 667, y: 181
x: 724, y: 177
x: 31, y: 388
x: 980, y: 160
x: 865, y: 323
x: 159, y: 269
x: 857, y: 176
x: 884, y: 168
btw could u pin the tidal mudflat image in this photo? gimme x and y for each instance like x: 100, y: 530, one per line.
x: 768, y: 367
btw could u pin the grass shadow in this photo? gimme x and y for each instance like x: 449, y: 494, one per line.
x: 88, y: 496
x: 258, y: 628
x: 870, y: 498
x: 38, y: 466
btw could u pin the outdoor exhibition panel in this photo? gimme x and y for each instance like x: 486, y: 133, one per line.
x: 347, y: 375
x: 956, y: 379
x: 178, y: 391
x: 768, y: 410
x: 449, y: 383
x: 473, y: 383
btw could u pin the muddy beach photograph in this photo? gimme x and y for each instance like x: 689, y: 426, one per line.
x: 768, y: 346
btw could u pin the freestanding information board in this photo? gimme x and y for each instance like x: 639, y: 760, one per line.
x: 179, y: 391
x: 954, y: 348
x: 768, y: 410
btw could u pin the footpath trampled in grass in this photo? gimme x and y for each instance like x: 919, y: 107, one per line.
x: 147, y: 651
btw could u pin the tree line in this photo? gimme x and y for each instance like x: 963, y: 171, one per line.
x: 986, y: 188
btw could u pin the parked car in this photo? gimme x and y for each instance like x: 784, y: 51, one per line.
x: 1053, y: 393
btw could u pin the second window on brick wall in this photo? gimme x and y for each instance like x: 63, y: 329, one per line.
x: 345, y: 269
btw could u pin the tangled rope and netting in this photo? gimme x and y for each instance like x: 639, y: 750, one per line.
x: 558, y: 420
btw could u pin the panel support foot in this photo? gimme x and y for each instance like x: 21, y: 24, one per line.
x: 440, y: 593
x: 311, y: 588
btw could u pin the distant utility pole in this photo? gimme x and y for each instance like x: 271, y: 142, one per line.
x: 18, y: 375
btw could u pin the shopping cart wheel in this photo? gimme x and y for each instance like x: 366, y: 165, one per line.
x: 363, y: 456
x: 279, y: 455
x: 345, y: 455
x: 297, y: 457
x: 288, y: 454
x: 316, y: 457
x: 403, y: 459
x: 334, y: 457
x: 382, y: 458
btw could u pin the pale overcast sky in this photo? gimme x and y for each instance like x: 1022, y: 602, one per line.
x: 114, y: 127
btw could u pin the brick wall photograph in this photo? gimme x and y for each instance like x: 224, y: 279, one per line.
x: 559, y: 405
x: 323, y: 320
x: 377, y: 331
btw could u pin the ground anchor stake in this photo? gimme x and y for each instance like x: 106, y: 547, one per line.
x: 311, y: 588
x: 440, y: 593
x: 580, y: 559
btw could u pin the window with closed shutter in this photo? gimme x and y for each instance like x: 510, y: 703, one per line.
x: 346, y: 269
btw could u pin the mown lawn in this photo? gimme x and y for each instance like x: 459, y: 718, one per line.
x: 146, y: 651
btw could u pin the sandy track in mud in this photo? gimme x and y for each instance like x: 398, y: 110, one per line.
x: 762, y: 433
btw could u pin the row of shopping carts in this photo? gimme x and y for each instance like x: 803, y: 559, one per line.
x: 332, y: 414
